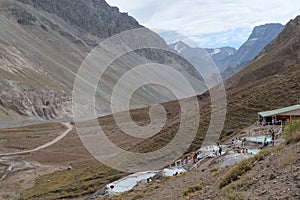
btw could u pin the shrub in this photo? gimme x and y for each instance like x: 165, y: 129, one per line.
x: 236, y: 171
x: 193, y: 189
x: 241, y: 168
x: 230, y: 195
x: 292, y: 132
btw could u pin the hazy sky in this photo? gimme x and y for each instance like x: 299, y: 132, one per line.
x: 209, y: 23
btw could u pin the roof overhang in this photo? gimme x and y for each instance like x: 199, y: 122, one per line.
x: 279, y: 111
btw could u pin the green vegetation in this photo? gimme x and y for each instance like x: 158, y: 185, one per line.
x: 67, y: 184
x: 292, y: 132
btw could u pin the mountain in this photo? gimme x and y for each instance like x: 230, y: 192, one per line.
x: 193, y: 54
x: 95, y: 17
x: 43, y: 44
x: 269, y: 82
x: 228, y: 60
x: 259, y: 38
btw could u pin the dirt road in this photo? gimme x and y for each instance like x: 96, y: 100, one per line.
x: 57, y: 139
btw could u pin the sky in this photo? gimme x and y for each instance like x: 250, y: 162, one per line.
x: 208, y: 23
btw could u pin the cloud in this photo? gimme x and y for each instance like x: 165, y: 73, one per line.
x: 201, y: 17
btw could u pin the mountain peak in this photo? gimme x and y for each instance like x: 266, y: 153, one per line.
x: 92, y: 16
x: 263, y: 31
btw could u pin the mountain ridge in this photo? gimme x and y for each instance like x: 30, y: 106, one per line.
x: 51, y: 41
x: 270, y: 81
x: 229, y: 60
x: 260, y: 37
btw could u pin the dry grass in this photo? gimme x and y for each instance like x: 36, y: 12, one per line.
x: 216, y: 171
x: 236, y: 172
x: 28, y: 137
x: 288, y: 158
x: 241, y: 168
x: 230, y: 195
x: 68, y: 184
x: 194, y: 190
x: 232, y: 191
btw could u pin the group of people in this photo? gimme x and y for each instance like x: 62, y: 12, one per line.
x: 266, y: 143
x: 195, y: 159
x: 235, y: 140
x: 215, y: 152
x: 243, y: 150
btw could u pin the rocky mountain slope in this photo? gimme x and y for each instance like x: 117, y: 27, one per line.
x: 260, y: 37
x: 42, y: 45
x: 229, y: 60
x: 94, y: 17
x: 270, y: 81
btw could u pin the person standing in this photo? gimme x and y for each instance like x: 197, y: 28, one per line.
x: 220, y: 150
x: 186, y: 161
x: 195, y: 158
x: 244, y: 142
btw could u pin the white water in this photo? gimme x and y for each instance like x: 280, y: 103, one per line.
x: 259, y: 139
x: 129, y: 182
x: 173, y: 171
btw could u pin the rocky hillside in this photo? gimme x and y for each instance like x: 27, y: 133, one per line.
x: 42, y: 45
x: 270, y: 81
x: 93, y: 16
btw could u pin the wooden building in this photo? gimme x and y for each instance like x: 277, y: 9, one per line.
x: 283, y: 114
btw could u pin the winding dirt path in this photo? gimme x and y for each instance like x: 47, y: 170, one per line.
x: 57, y: 139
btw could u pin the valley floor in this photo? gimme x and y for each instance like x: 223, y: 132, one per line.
x: 65, y: 170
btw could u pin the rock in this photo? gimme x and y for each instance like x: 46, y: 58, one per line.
x: 272, y: 176
x: 297, y: 178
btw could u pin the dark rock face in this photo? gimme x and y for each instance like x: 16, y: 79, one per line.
x: 23, y: 17
x: 93, y: 16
